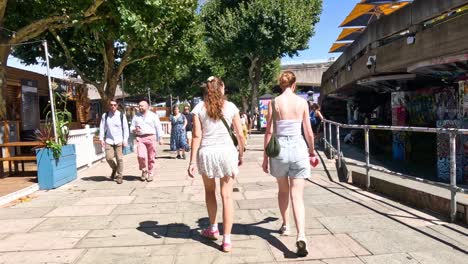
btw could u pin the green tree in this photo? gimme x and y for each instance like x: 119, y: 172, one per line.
x: 132, y: 32
x: 21, y: 21
x: 259, y: 30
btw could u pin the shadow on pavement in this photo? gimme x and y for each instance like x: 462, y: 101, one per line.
x: 107, y: 178
x: 183, y: 231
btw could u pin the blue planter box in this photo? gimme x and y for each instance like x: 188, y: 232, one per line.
x: 53, y: 173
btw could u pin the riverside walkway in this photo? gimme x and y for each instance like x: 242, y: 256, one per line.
x: 94, y: 220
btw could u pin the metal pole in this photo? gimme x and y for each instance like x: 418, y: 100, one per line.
x: 325, y: 136
x: 453, y: 177
x: 51, y: 93
x: 330, y: 139
x: 149, y: 97
x: 366, y: 140
x: 338, y: 147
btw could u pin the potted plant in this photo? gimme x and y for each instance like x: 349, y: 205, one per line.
x: 56, y: 162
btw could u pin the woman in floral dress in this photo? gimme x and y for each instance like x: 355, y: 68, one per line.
x: 178, y: 135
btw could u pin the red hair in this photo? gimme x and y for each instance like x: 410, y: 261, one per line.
x: 214, y: 98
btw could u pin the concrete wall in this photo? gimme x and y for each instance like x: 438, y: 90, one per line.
x: 450, y: 37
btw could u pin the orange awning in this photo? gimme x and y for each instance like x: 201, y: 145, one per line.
x: 339, y: 47
x: 363, y: 14
x: 350, y: 33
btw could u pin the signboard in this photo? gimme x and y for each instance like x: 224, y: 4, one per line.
x: 263, y: 107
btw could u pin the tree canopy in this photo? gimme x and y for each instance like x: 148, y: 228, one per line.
x: 25, y: 20
x: 259, y: 30
x: 132, y: 31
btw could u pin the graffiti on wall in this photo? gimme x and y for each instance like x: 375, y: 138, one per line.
x: 421, y: 108
x: 263, y: 106
x: 447, y: 104
x: 443, y: 151
x: 400, y: 146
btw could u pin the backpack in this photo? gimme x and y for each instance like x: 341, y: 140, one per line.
x: 313, y: 119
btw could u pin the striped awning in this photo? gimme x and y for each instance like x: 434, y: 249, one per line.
x: 350, y: 34
x: 339, y: 47
x: 363, y: 14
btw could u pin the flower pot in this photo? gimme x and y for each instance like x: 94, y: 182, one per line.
x: 53, y: 173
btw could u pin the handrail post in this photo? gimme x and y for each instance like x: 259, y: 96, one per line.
x: 453, y: 177
x: 325, y: 136
x: 366, y: 140
x: 330, y: 145
x: 338, y: 145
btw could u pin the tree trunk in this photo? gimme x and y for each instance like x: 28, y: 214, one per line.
x: 245, y: 103
x: 4, y: 53
x: 255, y: 71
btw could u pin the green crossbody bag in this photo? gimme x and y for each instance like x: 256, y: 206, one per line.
x: 273, y: 147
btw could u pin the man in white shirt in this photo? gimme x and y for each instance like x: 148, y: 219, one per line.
x: 113, y: 134
x: 147, y: 128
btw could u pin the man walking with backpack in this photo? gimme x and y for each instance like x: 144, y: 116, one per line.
x: 113, y: 134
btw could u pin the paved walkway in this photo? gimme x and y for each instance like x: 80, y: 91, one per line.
x: 94, y: 220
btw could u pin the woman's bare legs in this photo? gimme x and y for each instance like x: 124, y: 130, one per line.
x: 283, y: 198
x: 297, y: 200
x: 228, y: 208
x: 210, y: 198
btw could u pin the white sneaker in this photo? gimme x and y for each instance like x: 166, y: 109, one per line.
x: 144, y: 175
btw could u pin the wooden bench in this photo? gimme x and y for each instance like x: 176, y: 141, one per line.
x: 19, y: 158
x: 16, y: 160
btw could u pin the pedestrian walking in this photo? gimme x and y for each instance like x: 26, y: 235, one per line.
x: 147, y: 128
x: 244, y: 122
x: 215, y: 154
x: 316, y: 118
x: 178, y: 134
x: 113, y: 134
x: 189, y: 126
x: 291, y: 167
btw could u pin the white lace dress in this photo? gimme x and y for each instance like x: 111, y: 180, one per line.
x: 217, y: 155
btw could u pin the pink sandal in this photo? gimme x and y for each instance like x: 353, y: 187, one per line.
x: 207, y: 233
x: 226, y: 247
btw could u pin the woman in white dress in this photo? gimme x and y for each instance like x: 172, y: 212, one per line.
x: 215, y: 154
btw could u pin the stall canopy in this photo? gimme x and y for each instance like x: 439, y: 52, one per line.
x: 350, y: 33
x: 363, y: 14
x: 339, y: 47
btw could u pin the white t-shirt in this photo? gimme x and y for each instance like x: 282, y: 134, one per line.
x: 215, y: 132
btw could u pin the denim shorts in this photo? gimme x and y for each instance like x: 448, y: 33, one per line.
x: 293, y: 160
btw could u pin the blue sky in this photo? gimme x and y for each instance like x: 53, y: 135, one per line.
x: 326, y: 32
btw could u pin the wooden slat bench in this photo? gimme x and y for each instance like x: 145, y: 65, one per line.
x: 19, y: 158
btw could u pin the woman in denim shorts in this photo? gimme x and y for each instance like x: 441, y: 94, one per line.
x: 291, y: 167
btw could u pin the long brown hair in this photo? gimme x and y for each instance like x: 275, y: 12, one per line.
x: 214, y: 98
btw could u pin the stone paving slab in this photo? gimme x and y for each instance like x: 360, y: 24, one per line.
x: 87, y: 210
x: 67, y: 256
x: 21, y: 213
x: 124, y: 237
x: 42, y: 240
x: 74, y: 223
x: 19, y: 225
x: 106, y: 200
x: 130, y: 255
x: 94, y: 220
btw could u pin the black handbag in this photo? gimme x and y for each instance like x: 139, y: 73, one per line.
x: 231, y: 133
x: 273, y: 147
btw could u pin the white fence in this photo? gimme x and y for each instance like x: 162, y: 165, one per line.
x: 166, y: 128
x: 87, y: 151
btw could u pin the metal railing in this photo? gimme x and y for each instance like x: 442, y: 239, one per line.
x: 452, y: 132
